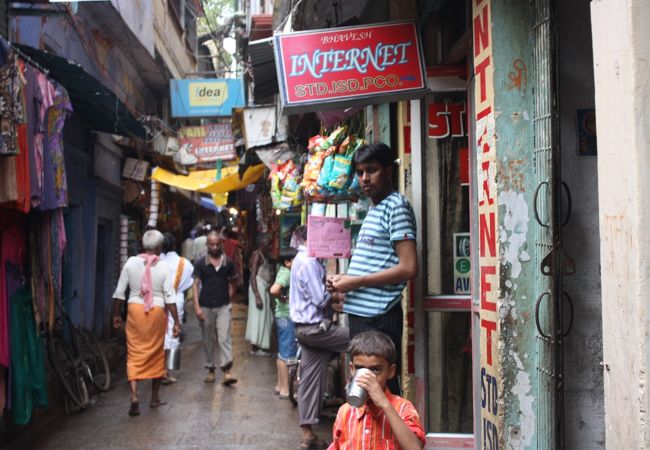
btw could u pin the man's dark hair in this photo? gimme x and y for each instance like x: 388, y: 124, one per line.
x: 287, y: 254
x: 373, y: 343
x: 169, y: 243
x: 379, y: 152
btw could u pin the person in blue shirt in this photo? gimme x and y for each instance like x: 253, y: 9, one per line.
x: 311, y: 308
x: 384, y: 258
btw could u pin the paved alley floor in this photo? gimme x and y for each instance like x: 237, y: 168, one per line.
x: 198, y: 415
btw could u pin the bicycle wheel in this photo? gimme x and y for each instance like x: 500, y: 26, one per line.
x: 92, y: 354
x: 64, y: 365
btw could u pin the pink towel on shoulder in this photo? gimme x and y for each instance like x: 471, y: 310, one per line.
x: 146, y: 288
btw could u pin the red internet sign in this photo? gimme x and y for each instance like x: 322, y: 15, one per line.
x: 349, y: 66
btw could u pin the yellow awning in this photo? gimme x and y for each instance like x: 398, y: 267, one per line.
x: 204, y: 180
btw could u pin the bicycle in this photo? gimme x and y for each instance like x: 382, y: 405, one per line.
x: 77, y: 358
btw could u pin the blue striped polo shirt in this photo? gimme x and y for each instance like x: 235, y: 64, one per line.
x: 390, y: 221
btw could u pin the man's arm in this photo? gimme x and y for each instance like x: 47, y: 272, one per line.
x: 406, y: 269
x: 314, y: 283
x: 117, y: 313
x: 232, y: 288
x: 171, y: 307
x: 195, y: 297
x: 406, y: 437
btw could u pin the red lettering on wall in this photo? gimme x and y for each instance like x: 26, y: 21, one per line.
x: 483, y: 113
x: 481, y: 32
x: 446, y: 119
x: 486, y: 182
x: 486, y: 287
x: 487, y: 233
x: 438, y: 125
x: 480, y: 74
x: 456, y: 112
x: 489, y: 326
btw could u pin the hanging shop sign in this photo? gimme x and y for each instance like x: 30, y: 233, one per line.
x: 135, y: 169
x: 206, y: 143
x: 210, y: 97
x: 324, y: 69
x: 328, y: 237
x: 262, y: 126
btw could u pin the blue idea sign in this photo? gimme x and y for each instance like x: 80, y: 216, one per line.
x: 210, y: 97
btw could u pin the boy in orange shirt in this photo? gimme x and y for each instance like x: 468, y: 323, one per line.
x: 385, y: 420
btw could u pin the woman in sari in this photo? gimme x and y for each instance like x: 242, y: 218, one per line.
x: 260, y: 315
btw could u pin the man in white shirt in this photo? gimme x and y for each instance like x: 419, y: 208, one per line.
x: 181, y: 270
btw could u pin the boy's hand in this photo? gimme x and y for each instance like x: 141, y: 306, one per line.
x: 369, y: 382
x: 345, y: 283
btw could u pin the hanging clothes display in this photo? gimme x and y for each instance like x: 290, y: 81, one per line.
x: 28, y: 381
x: 47, y: 244
x: 55, y: 192
x: 10, y: 105
x: 43, y: 100
x: 12, y: 250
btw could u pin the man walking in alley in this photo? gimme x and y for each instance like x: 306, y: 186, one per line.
x: 151, y: 292
x: 310, y: 307
x: 181, y: 272
x: 214, y: 285
x: 385, y: 254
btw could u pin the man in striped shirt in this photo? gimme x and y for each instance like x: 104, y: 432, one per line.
x: 385, y: 420
x: 384, y: 258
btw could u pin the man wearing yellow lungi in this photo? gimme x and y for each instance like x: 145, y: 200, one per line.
x: 151, y: 293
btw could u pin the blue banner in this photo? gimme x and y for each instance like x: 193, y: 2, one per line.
x: 209, y: 97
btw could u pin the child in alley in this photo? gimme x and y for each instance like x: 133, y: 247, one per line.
x: 385, y: 420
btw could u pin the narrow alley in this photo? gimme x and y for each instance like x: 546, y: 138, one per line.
x: 197, y: 415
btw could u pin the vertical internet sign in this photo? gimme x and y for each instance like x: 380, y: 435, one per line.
x: 490, y: 428
x: 341, y: 67
x: 208, y: 97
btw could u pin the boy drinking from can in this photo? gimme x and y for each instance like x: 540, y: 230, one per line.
x: 385, y: 420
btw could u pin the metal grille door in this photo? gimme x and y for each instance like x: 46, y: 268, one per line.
x: 553, y: 310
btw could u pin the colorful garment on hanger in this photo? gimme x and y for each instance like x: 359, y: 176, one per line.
x: 11, y: 111
x: 47, y: 245
x: 28, y: 382
x: 42, y: 102
x: 8, y: 185
x: 33, y: 100
x: 55, y: 187
x: 12, y: 250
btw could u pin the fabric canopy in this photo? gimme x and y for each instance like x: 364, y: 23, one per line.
x: 94, y: 103
x: 205, y: 180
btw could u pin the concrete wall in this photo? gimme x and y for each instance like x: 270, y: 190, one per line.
x: 83, y: 41
x: 169, y: 42
x: 621, y: 43
x: 585, y: 426
x: 137, y: 15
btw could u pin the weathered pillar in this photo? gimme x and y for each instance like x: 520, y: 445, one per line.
x: 507, y: 280
x: 621, y: 43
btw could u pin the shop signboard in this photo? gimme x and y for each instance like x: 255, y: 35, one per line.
x: 262, y: 126
x: 328, y: 237
x: 461, y: 263
x: 343, y: 67
x: 208, y: 97
x: 135, y: 169
x: 206, y: 143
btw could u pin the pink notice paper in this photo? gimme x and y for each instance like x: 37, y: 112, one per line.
x: 328, y: 237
